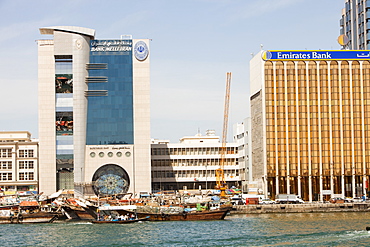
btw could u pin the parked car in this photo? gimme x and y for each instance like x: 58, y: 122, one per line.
x: 267, y: 201
x: 337, y: 200
x: 288, y: 198
x: 348, y: 199
x: 357, y: 199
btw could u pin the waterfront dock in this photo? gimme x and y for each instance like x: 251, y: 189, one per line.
x: 301, y: 208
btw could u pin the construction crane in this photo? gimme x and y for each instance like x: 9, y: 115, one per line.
x: 220, y: 176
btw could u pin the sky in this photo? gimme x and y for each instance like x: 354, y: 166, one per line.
x: 194, y: 43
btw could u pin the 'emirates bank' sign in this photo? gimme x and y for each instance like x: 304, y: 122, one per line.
x: 315, y: 55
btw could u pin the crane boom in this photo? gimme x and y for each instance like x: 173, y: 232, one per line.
x: 220, y: 176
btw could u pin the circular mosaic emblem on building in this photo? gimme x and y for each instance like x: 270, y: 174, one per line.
x: 110, y: 180
x: 141, y: 50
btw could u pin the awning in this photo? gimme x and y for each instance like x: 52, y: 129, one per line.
x: 29, y: 204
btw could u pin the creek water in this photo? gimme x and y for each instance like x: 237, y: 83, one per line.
x: 296, y: 229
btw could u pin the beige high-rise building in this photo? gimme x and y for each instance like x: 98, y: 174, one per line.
x: 310, y: 115
x: 94, y: 112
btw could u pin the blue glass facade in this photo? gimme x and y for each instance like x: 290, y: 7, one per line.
x: 110, y: 101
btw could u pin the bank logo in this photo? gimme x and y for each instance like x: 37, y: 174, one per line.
x: 266, y: 55
x: 141, y: 51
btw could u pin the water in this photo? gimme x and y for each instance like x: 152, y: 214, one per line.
x: 298, y: 229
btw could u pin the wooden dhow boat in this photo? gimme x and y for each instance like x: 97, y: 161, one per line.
x: 168, y: 213
x: 217, y: 214
x: 40, y: 217
x: 28, y: 212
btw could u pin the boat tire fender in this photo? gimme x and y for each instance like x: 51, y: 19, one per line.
x: 184, y: 214
x: 20, y: 218
x: 12, y: 219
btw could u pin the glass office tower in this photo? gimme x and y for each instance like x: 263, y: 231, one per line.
x: 94, y: 113
x: 310, y: 118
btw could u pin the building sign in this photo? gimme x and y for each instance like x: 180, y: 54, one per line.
x: 326, y: 192
x: 110, y: 45
x: 315, y: 55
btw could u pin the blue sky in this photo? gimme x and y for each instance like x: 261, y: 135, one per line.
x: 194, y: 43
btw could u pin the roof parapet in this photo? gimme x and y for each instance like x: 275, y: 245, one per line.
x: 69, y: 29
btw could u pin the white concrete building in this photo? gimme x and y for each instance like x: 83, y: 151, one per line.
x: 242, y: 139
x: 94, y: 112
x: 191, y: 164
x: 18, y: 163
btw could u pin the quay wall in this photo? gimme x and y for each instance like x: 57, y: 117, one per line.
x: 301, y: 208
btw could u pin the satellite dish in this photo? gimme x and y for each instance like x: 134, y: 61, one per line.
x: 343, y: 40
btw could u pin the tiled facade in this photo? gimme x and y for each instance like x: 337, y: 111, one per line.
x: 311, y: 119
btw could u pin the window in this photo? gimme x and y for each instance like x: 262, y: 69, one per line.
x: 6, y: 153
x: 6, y: 165
x: 26, y: 176
x: 6, y: 176
x: 26, y: 164
x: 63, y: 74
x: 26, y: 153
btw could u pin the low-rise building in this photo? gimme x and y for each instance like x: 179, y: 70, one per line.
x: 18, y: 163
x: 192, y: 163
